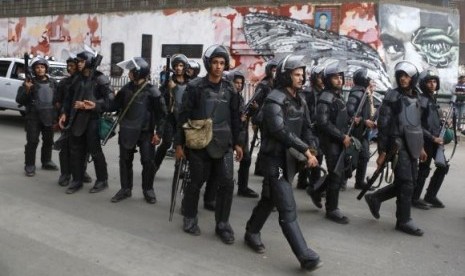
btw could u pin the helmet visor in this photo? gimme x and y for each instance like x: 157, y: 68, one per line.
x: 128, y: 64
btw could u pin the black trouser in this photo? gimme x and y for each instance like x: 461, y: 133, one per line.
x: 167, y: 140
x: 405, y: 175
x: 88, y: 142
x: 126, y: 158
x: 332, y: 183
x: 33, y: 129
x: 277, y: 191
x: 64, y: 156
x: 244, y: 166
x: 211, y: 188
x: 424, y: 171
x: 220, y: 170
x: 363, y: 158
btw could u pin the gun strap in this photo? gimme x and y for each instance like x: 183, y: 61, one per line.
x: 130, y: 102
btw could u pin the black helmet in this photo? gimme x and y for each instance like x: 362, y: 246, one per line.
x: 179, y: 58
x: 285, y: 67
x: 361, y: 77
x: 236, y: 74
x: 195, y: 66
x: 39, y: 60
x: 70, y: 59
x: 87, y: 56
x: 316, y: 71
x: 408, y: 68
x: 335, y: 67
x: 427, y: 75
x: 269, y: 68
x: 215, y: 51
x: 138, y: 66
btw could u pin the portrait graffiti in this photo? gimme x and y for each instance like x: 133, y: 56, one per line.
x: 425, y: 38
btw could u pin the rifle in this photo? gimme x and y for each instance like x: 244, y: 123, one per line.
x: 254, y: 141
x: 27, y: 69
x: 181, y: 171
x: 389, y: 156
x: 248, y: 106
x: 341, y: 160
x: 440, y: 158
x: 167, y: 72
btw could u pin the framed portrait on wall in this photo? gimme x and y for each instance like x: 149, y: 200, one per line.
x: 327, y: 17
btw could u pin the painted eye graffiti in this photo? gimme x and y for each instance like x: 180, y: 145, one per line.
x: 394, y: 47
x: 437, y: 46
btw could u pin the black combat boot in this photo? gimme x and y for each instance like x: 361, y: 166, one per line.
x: 190, y: 226
x: 254, y: 241
x: 309, y: 259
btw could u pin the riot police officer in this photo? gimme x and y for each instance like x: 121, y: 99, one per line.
x: 62, y: 143
x: 363, y: 122
x: 193, y: 69
x: 145, y: 110
x: 172, y: 94
x: 89, y: 96
x: 214, y: 97
x: 309, y: 176
x: 399, y: 126
x: 238, y: 80
x: 262, y: 90
x: 332, y: 124
x: 37, y: 95
x: 285, y: 124
x: 431, y: 121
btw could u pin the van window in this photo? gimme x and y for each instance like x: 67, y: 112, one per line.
x: 18, y: 68
x: 4, y: 65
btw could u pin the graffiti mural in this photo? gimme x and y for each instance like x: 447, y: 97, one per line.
x: 426, y: 38
x: 362, y: 33
x: 282, y: 35
x: 50, y: 35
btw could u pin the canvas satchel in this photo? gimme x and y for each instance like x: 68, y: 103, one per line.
x: 198, y: 133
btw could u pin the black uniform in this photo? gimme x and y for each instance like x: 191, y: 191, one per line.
x: 399, y: 122
x: 137, y: 129
x: 40, y: 117
x: 332, y: 124
x: 312, y: 174
x: 360, y: 131
x: 262, y: 90
x: 83, y: 126
x: 199, y: 102
x: 431, y: 123
x: 173, y: 99
x: 243, y: 172
x: 286, y: 124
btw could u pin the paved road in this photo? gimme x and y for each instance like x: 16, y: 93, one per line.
x: 44, y: 231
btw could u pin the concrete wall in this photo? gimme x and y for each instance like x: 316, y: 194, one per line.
x: 364, y: 34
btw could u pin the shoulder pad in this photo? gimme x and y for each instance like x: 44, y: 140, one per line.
x: 102, y: 79
x: 53, y: 83
x: 196, y: 82
x: 276, y: 96
x: 326, y: 97
x: 228, y: 85
x: 356, y: 94
x: 392, y: 95
x: 153, y: 90
x: 423, y: 101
